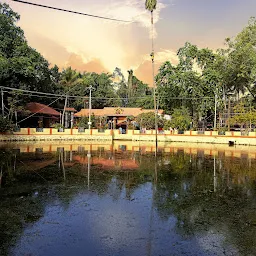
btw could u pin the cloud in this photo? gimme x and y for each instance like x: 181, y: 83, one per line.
x: 92, y: 65
x: 134, y: 11
x: 90, y: 44
x: 144, y: 70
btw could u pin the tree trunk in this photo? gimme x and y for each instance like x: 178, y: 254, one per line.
x: 153, y: 76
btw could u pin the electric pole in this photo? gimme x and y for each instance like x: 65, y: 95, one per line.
x: 90, y: 106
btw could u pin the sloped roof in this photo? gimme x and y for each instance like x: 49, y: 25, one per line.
x: 70, y: 110
x: 85, y: 112
x: 116, y: 111
x: 35, y: 107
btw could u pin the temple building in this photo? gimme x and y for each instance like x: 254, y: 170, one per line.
x: 115, y: 116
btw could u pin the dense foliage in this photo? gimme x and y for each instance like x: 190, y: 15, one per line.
x: 147, y: 120
x: 181, y: 119
x: 24, y: 68
x: 203, y: 74
x: 201, y: 80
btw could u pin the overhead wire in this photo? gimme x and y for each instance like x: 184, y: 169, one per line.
x: 72, y: 97
x: 46, y: 105
x: 70, y: 11
x: 44, y: 94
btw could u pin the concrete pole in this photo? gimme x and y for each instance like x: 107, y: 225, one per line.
x: 215, y: 112
x: 90, y: 107
x: 228, y: 114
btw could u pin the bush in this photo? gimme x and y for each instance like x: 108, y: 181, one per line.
x: 181, y: 119
x: 83, y: 122
x: 167, y: 124
x: 5, y: 124
x: 147, y: 120
x: 57, y: 126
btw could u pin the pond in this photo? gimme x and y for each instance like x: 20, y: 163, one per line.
x: 64, y: 198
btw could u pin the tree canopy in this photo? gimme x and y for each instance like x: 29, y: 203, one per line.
x: 201, y: 80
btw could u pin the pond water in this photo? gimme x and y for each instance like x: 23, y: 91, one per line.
x: 121, y: 199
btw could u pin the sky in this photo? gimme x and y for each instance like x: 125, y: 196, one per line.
x: 96, y: 45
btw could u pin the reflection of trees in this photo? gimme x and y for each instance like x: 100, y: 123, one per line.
x: 188, y: 195
x: 184, y: 188
x: 7, y: 165
x: 18, y: 209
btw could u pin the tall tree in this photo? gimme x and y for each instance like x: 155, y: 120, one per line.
x: 69, y: 79
x: 241, y: 61
x: 150, y: 5
x: 21, y: 66
x: 130, y: 83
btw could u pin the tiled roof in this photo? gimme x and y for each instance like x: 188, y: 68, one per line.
x: 116, y: 111
x: 70, y: 109
x: 35, y: 107
x: 85, y: 112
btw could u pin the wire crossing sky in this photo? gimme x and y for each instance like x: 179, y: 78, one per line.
x: 89, y: 44
x: 73, y: 12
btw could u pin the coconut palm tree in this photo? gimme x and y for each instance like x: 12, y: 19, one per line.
x: 150, y: 5
x: 69, y: 79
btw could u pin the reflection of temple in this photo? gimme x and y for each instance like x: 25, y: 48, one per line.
x: 109, y: 164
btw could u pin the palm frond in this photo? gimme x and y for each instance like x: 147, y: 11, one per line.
x: 150, y: 5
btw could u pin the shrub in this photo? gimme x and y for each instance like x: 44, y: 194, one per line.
x: 5, y: 124
x: 57, y: 126
x: 181, y: 119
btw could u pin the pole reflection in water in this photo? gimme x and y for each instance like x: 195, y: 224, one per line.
x: 1, y: 175
x: 214, y: 174
x: 61, y: 162
x: 89, y: 168
x: 136, y: 203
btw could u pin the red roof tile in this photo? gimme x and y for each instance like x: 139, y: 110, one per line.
x: 116, y: 111
x: 35, y: 107
x: 70, y: 109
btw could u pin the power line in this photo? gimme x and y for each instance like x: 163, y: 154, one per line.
x: 73, y: 12
x: 44, y: 94
x: 46, y: 106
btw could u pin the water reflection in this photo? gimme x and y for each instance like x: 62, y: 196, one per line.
x: 119, y: 199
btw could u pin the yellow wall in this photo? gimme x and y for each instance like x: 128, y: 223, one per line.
x: 66, y: 132
x: 22, y: 131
